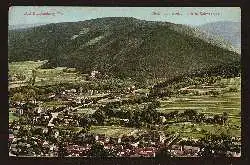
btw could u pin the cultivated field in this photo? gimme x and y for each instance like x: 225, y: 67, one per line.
x: 43, y: 76
x: 112, y: 131
x: 228, y: 99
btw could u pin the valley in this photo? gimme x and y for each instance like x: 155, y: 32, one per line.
x: 76, y: 105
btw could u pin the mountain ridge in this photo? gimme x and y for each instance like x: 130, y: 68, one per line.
x: 123, y: 47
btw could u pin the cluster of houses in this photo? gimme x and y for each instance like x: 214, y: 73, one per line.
x: 26, y: 146
x: 125, y: 146
x: 179, y: 150
x: 146, y: 144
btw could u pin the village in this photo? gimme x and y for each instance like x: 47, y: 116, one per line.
x: 65, y: 129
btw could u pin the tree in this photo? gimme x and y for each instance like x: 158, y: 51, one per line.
x: 97, y: 150
x: 141, y: 144
x: 190, y: 113
x: 217, y: 119
x: 206, y: 152
x: 99, y: 115
x: 155, y: 104
x: 224, y: 117
x: 171, y: 115
x: 201, y: 117
x: 34, y: 75
x: 110, y: 112
x: 84, y: 121
x: 129, y: 114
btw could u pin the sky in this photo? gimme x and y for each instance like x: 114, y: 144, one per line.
x: 19, y: 15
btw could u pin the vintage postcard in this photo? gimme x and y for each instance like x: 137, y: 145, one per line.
x: 124, y: 81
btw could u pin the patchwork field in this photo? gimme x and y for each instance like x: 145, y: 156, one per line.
x: 196, y: 131
x: 22, y: 71
x: 227, y: 100
x: 112, y: 131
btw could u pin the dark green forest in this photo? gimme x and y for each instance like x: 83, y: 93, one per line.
x: 124, y: 47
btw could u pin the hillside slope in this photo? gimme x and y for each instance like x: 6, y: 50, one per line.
x: 122, y: 46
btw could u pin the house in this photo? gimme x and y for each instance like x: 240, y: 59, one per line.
x: 190, y: 149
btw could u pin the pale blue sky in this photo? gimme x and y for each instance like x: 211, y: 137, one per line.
x: 71, y: 14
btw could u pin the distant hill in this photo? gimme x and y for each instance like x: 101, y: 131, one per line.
x: 230, y: 31
x: 23, y: 26
x: 123, y: 47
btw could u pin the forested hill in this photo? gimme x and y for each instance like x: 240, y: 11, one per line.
x: 122, y: 46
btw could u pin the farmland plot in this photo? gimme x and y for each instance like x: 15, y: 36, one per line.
x: 112, y: 131
x: 228, y: 100
x: 43, y: 76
